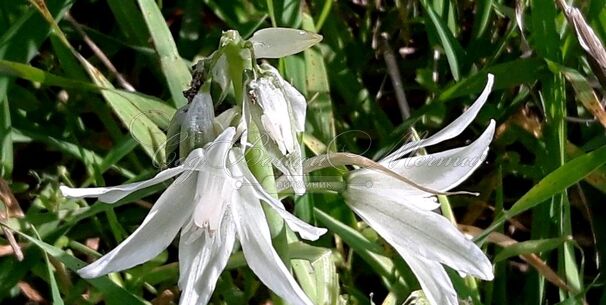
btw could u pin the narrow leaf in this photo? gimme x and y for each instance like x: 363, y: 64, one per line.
x: 175, y: 70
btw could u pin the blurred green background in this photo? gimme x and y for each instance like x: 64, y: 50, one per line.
x: 87, y: 89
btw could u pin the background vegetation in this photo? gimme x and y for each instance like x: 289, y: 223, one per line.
x: 87, y: 88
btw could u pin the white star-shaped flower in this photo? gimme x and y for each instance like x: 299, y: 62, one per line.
x: 402, y: 213
x: 214, y: 201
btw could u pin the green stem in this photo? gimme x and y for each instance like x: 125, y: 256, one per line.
x: 256, y: 158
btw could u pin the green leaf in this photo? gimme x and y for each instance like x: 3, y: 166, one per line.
x: 288, y: 12
x: 317, y: 276
x: 155, y: 109
x: 506, y: 75
x: 452, y: 48
x: 132, y: 25
x: 582, y: 88
x: 319, y: 113
x: 301, y: 250
x: 15, y: 69
x: 555, y: 182
x: 21, y: 41
x: 530, y: 246
x: 175, y: 70
x: 482, y: 18
x: 545, y: 38
x: 114, y: 294
x: 85, y: 155
x: 136, y: 111
x: 558, y: 180
x: 596, y: 178
x: 6, y: 140
x: 55, y: 293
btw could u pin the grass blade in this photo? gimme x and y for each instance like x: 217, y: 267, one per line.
x: 175, y: 70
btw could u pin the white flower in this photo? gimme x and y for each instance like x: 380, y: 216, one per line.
x: 214, y: 201
x: 278, y: 110
x: 402, y: 214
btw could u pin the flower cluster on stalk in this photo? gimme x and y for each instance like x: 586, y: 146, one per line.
x: 214, y: 202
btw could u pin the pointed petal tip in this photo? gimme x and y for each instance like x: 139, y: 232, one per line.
x: 315, y: 37
x: 485, y: 268
x: 65, y: 190
x: 488, y: 133
x: 482, y: 268
x: 490, y: 77
x: 313, y: 236
x: 488, y: 276
x: 89, y: 272
x: 227, y: 134
x: 76, y: 193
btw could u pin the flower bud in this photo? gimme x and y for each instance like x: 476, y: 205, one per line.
x: 280, y: 42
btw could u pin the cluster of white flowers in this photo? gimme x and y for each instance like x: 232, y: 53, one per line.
x: 215, y: 199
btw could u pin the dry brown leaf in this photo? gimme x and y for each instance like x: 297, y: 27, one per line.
x: 31, y: 293
x: 9, y: 208
x: 588, y: 40
x: 585, y: 94
x: 165, y: 298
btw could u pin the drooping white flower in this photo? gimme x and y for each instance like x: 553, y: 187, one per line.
x: 402, y: 214
x: 214, y: 201
x: 278, y: 110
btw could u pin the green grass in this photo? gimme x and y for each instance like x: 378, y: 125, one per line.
x: 68, y: 117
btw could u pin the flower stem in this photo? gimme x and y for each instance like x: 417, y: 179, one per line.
x: 256, y: 158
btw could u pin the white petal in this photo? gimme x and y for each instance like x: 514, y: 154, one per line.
x: 156, y: 232
x: 216, y: 152
x: 296, y: 181
x: 214, y: 193
x: 439, y: 171
x: 280, y: 42
x: 298, y: 105
x: 260, y: 254
x: 452, y: 130
x: 115, y: 193
x: 275, y: 119
x: 250, y: 188
x: 202, y: 261
x: 275, y: 122
x: 433, y: 279
x: 423, y: 233
x: 274, y: 132
x: 369, y: 186
x: 292, y: 167
x: 296, y: 101
x: 215, y: 185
